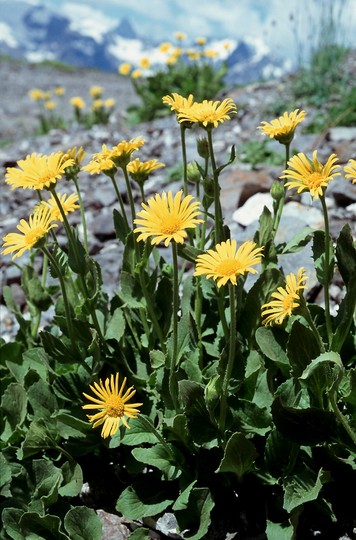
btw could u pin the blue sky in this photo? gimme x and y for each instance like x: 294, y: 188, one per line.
x: 287, y: 27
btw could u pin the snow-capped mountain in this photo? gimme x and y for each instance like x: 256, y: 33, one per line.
x: 36, y: 33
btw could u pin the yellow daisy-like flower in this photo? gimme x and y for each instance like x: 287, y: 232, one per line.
x: 200, y: 40
x: 121, y: 153
x: 32, y: 232
x: 286, y: 299
x: 164, y: 47
x: 68, y: 203
x: 282, y: 128
x: 100, y: 162
x: 139, y: 170
x: 125, y: 68
x: 210, y: 53
x: 180, y: 36
x: 305, y: 174
x: 97, y: 104
x: 77, y: 102
x: 350, y: 170
x: 144, y: 63
x: 109, y: 103
x: 226, y: 262
x: 178, y: 102
x: 208, y: 113
x: 112, y: 404
x: 136, y: 74
x: 96, y: 91
x: 76, y: 155
x: 36, y: 94
x: 38, y: 171
x: 59, y: 91
x: 50, y: 105
x: 166, y: 218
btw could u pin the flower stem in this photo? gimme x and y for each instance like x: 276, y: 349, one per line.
x: 306, y: 314
x: 174, y: 353
x: 184, y: 158
x: 230, y: 361
x: 82, y: 214
x: 119, y: 198
x: 129, y: 193
x: 64, y: 296
x: 281, y: 201
x: 217, y: 204
x: 327, y: 270
x: 340, y: 416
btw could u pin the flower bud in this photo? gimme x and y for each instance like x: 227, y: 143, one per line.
x: 193, y: 173
x: 277, y: 190
x: 203, y: 147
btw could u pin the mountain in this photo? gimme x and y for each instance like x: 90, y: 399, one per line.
x: 37, y: 33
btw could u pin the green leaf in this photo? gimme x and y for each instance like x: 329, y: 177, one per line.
x: 346, y: 255
x: 36, y: 527
x: 70, y: 386
x: 138, y: 434
x: 157, y: 359
x: 71, y: 426
x: 47, y: 481
x: 189, y: 253
x: 183, y: 499
x: 345, y: 316
x: 14, y: 404
x: 38, y: 438
x: 272, y: 345
x: 141, y: 533
x: 161, y: 457
x: 33, y: 289
x: 302, y: 347
x: 57, y: 349
x: 62, y: 262
x: 120, y: 225
x: 131, y: 292
x: 116, y: 325
x: 42, y: 399
x: 196, y: 517
x: 72, y: 479
x: 77, y: 258
x: 11, y: 518
x: 298, y: 241
x: 83, y: 523
x: 327, y: 368
x: 130, y: 505
x: 303, y: 487
x: 239, y: 456
x: 319, y: 254
x: 6, y: 472
x: 279, y: 531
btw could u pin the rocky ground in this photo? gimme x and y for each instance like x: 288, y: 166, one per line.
x: 244, y: 187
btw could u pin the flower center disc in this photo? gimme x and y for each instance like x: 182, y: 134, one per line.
x: 114, y: 406
x: 32, y: 236
x: 228, y: 268
x: 171, y: 225
x: 314, y: 180
x: 288, y: 304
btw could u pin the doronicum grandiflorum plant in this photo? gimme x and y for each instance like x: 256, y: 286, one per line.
x: 208, y: 385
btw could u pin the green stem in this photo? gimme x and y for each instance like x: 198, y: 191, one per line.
x: 281, y: 201
x: 129, y: 193
x: 82, y: 214
x: 119, y: 198
x: 148, y: 424
x: 174, y: 352
x: 219, y: 236
x: 142, y: 192
x: 340, y: 416
x: 151, y: 311
x: 197, y: 313
x: 184, y: 158
x: 64, y: 296
x: 230, y: 361
x: 308, y: 318
x: 327, y: 270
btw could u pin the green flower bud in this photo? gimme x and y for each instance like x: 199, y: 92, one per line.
x: 277, y: 191
x: 203, y: 147
x: 193, y: 173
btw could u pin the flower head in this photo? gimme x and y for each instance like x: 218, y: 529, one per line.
x: 49, y: 104
x: 112, y: 404
x: 109, y: 103
x: 164, y: 47
x: 36, y: 94
x: 208, y: 113
x: 178, y: 102
x: 180, y: 36
x: 121, y: 153
x: 136, y: 74
x: 350, y: 170
x: 125, y: 68
x: 101, y: 162
x: 305, y: 174
x: 59, y: 91
x: 38, y: 171
x: 145, y: 62
x: 32, y: 232
x: 286, y: 300
x: 166, y: 218
x: 226, y: 262
x: 139, y: 170
x: 96, y: 91
x: 68, y: 203
x: 282, y: 128
x: 77, y: 102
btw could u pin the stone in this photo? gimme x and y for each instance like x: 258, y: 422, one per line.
x: 252, y: 209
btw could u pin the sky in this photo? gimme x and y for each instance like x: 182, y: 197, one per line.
x: 287, y: 27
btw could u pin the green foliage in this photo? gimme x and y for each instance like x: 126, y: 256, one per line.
x: 259, y: 151
x: 237, y: 417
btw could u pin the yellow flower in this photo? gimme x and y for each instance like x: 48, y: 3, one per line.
x: 112, y: 404
x: 100, y: 162
x: 38, y: 171
x: 310, y: 175
x: 350, y: 169
x: 36, y: 94
x: 139, y: 170
x: 136, y: 73
x: 172, y: 59
x: 96, y: 91
x: 210, y: 53
x: 286, y: 299
x: 32, y: 232
x: 178, y: 102
x: 193, y: 55
x: 208, y: 113
x: 282, y: 128
x: 59, y: 91
x: 145, y: 62
x: 97, y: 104
x: 50, y: 105
x: 76, y: 155
x: 68, y: 203
x: 109, y: 103
x: 77, y: 102
x: 200, y: 41
x: 124, y: 69
x: 121, y: 153
x: 164, y: 47
x: 226, y: 262
x: 180, y: 36
x: 166, y: 218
